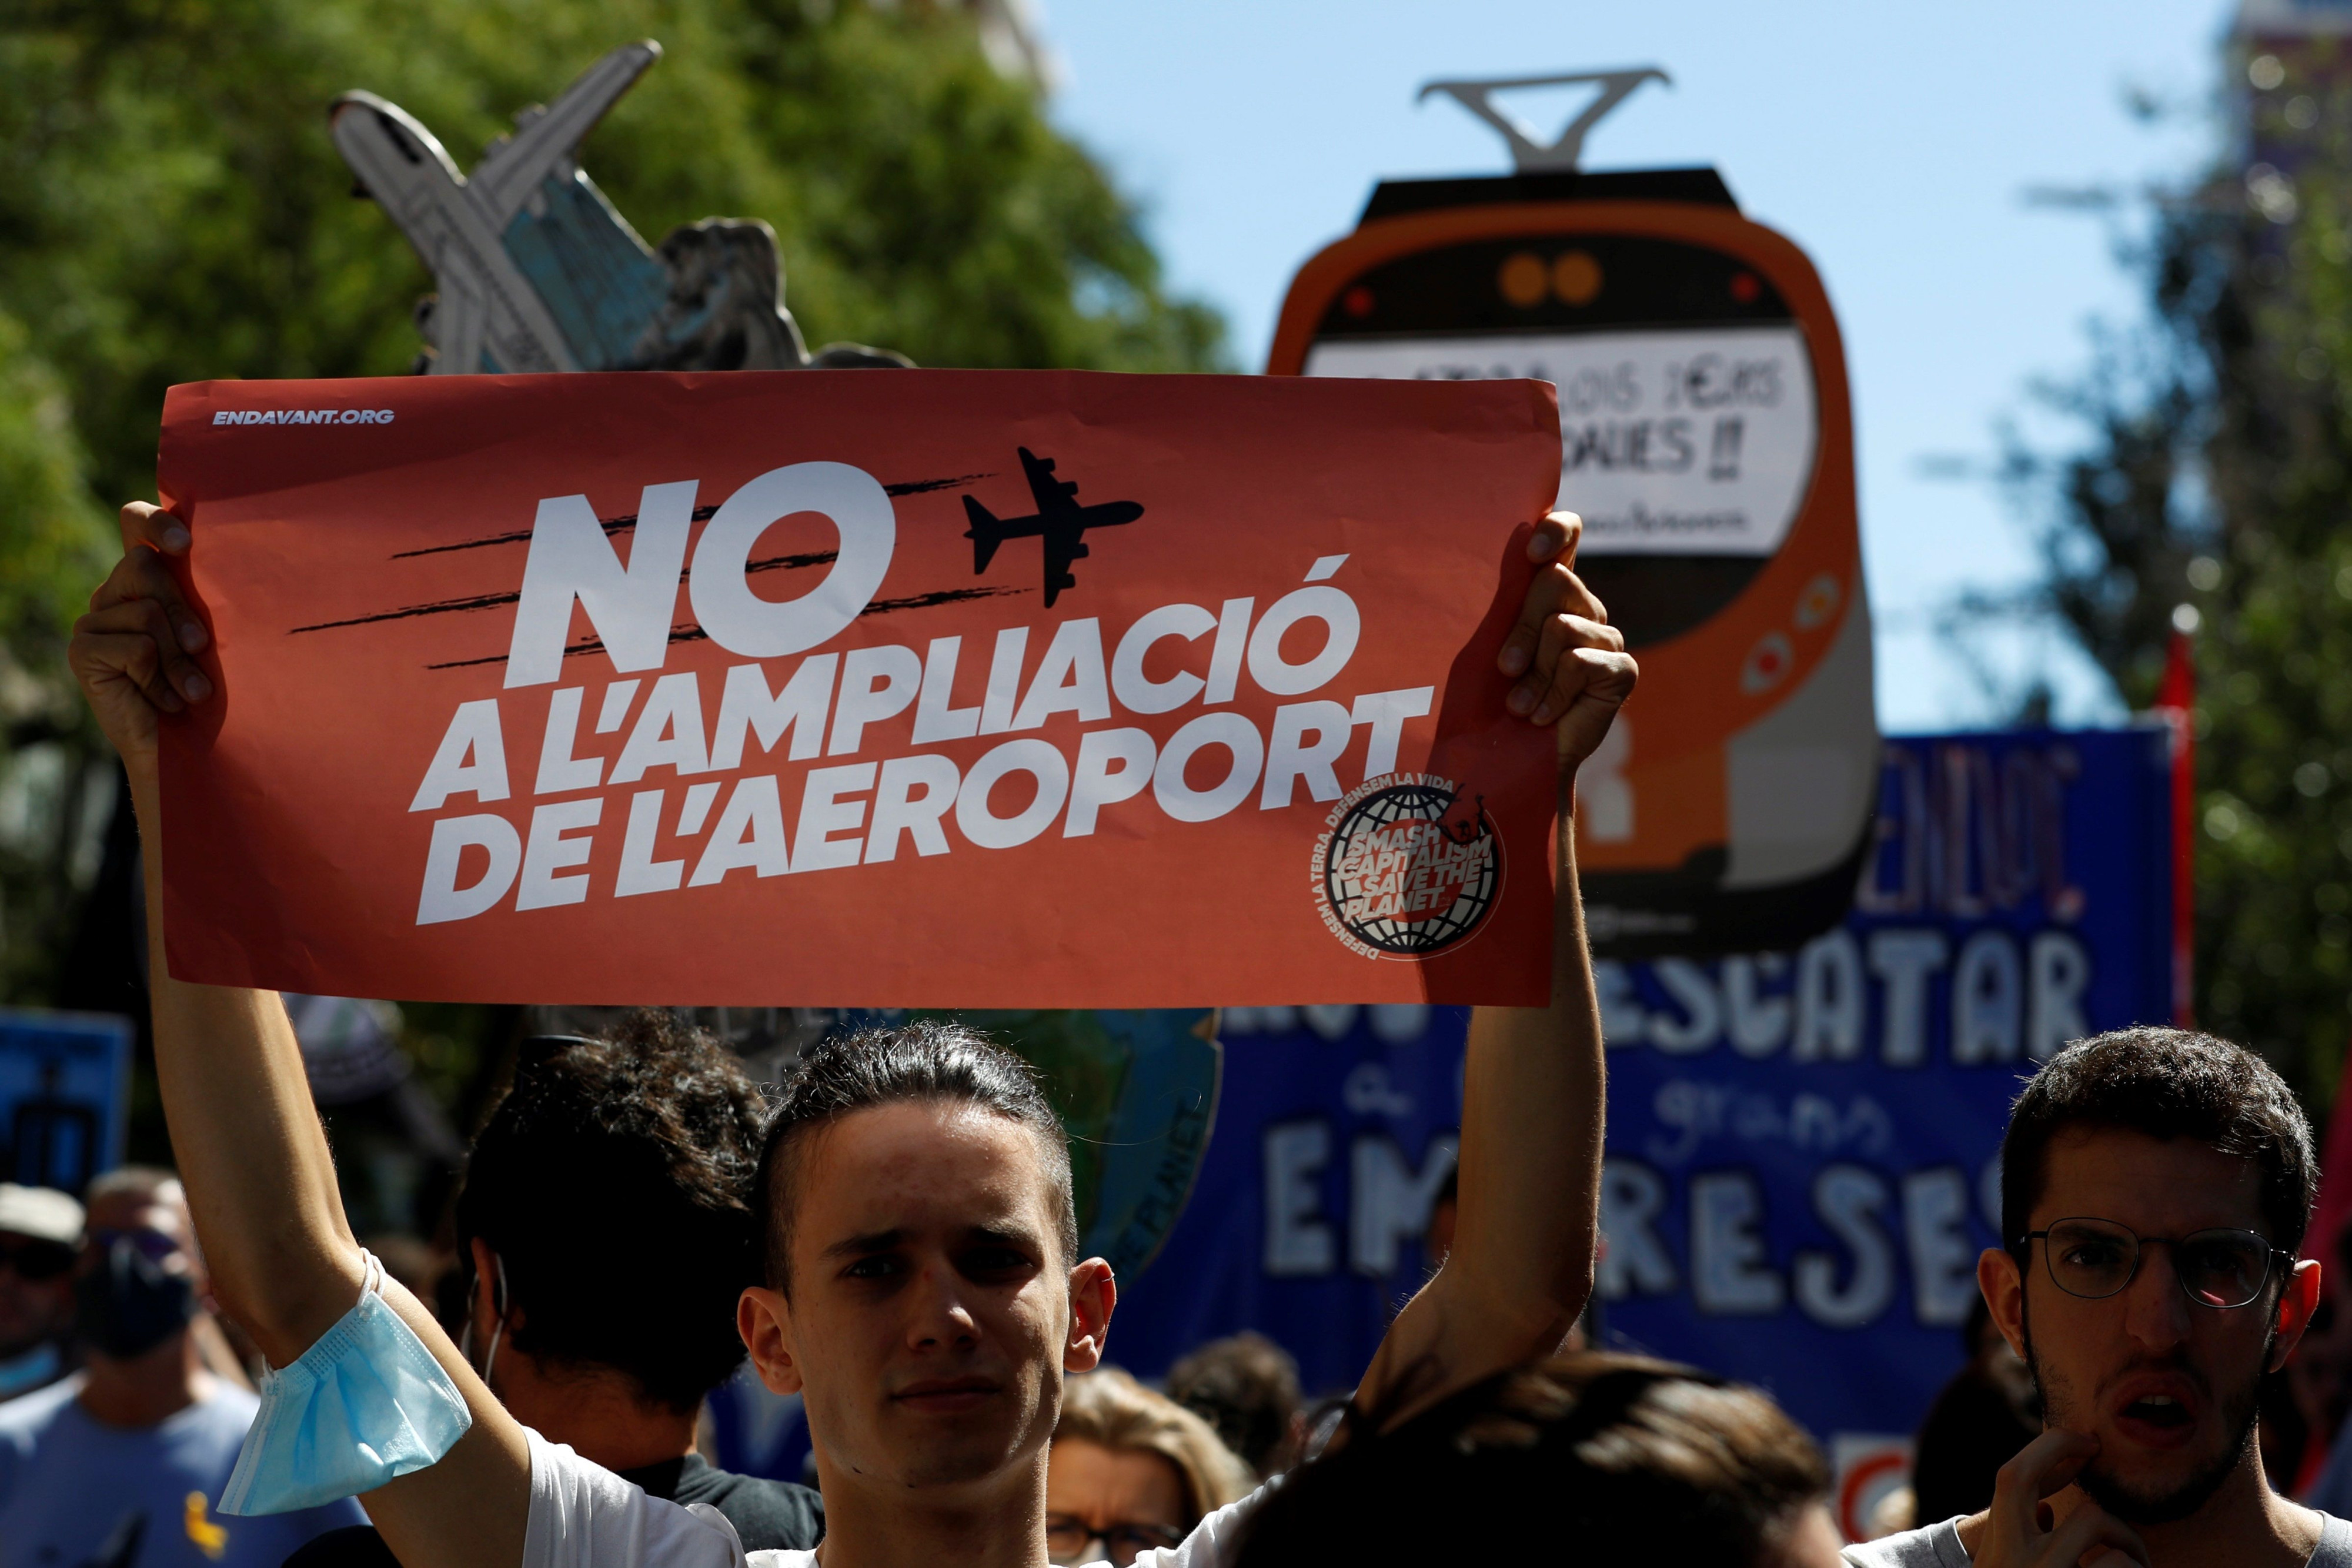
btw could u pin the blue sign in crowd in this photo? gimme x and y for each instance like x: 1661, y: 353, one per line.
x: 1802, y: 1145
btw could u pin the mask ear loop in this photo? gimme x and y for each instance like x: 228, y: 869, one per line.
x: 499, y: 1304
x: 498, y: 1307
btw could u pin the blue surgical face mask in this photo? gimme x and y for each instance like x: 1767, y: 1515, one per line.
x: 36, y: 1369
x: 128, y: 1302
x: 366, y: 1403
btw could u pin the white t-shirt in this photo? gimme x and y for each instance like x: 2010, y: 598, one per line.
x: 585, y: 1516
x: 1938, y: 1546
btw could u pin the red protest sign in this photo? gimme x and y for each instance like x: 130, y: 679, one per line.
x: 905, y: 688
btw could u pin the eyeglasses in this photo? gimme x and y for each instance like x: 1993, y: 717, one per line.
x: 35, y: 1260
x: 151, y: 1244
x: 1073, y: 1540
x: 2094, y: 1258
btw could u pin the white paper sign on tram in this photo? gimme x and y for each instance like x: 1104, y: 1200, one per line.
x: 1692, y: 443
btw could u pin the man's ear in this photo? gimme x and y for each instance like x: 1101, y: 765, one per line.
x: 1094, y: 1292
x: 2004, y: 1293
x: 2298, y: 1299
x: 764, y: 1319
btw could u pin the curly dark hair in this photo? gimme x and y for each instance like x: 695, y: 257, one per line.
x: 926, y: 1059
x: 1247, y: 1386
x: 614, y: 1183
x: 1585, y: 1457
x: 2166, y: 1084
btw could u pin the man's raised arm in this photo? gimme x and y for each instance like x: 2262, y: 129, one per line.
x: 259, y: 1177
x: 1533, y: 1087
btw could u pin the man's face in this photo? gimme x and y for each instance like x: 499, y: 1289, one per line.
x: 2166, y: 1386
x: 930, y: 1315
x: 156, y: 1222
x: 36, y: 1295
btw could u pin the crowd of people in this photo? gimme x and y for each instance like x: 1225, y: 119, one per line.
x: 891, y: 1238
x: 134, y: 1402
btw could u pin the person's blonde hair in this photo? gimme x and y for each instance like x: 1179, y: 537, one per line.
x: 1112, y: 1410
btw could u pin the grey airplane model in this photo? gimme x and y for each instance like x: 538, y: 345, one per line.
x: 538, y: 272
x: 1057, y: 524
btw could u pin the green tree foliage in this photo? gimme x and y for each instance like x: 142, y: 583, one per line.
x: 172, y: 210
x: 51, y: 534
x: 2214, y: 493
x: 52, y: 549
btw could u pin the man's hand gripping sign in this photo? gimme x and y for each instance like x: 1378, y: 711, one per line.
x: 960, y: 688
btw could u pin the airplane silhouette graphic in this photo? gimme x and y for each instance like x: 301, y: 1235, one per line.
x: 1057, y: 523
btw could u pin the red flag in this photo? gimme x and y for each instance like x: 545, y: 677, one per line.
x: 2176, y: 699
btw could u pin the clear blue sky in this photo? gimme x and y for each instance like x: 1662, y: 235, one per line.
x: 1891, y: 141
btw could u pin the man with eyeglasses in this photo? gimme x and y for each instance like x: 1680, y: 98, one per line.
x: 123, y: 1463
x: 40, y: 1231
x: 2155, y: 1188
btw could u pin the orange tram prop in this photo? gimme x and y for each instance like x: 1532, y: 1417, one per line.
x: 1708, y: 441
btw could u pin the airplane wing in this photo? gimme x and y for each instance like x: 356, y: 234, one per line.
x: 485, y: 302
x: 1053, y: 495
x: 1062, y: 546
x: 512, y: 169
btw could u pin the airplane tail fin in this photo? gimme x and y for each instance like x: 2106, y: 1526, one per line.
x: 985, y: 534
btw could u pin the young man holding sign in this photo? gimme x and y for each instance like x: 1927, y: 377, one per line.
x: 922, y: 1294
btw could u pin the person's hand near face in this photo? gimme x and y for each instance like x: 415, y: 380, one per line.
x: 2022, y: 1529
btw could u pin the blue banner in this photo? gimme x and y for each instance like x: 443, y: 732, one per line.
x: 1802, y: 1145
x: 65, y: 1091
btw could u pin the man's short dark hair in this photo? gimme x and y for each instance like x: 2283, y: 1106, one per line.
x: 2165, y: 1083
x: 614, y: 1183
x: 928, y: 1060
x: 1247, y: 1386
x: 1593, y: 1456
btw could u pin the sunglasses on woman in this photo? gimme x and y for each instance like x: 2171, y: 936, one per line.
x: 1074, y: 1541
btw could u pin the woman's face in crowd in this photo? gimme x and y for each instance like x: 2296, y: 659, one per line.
x: 37, y: 1294
x: 1117, y: 1497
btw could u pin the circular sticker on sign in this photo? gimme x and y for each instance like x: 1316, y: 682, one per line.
x: 1406, y: 868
